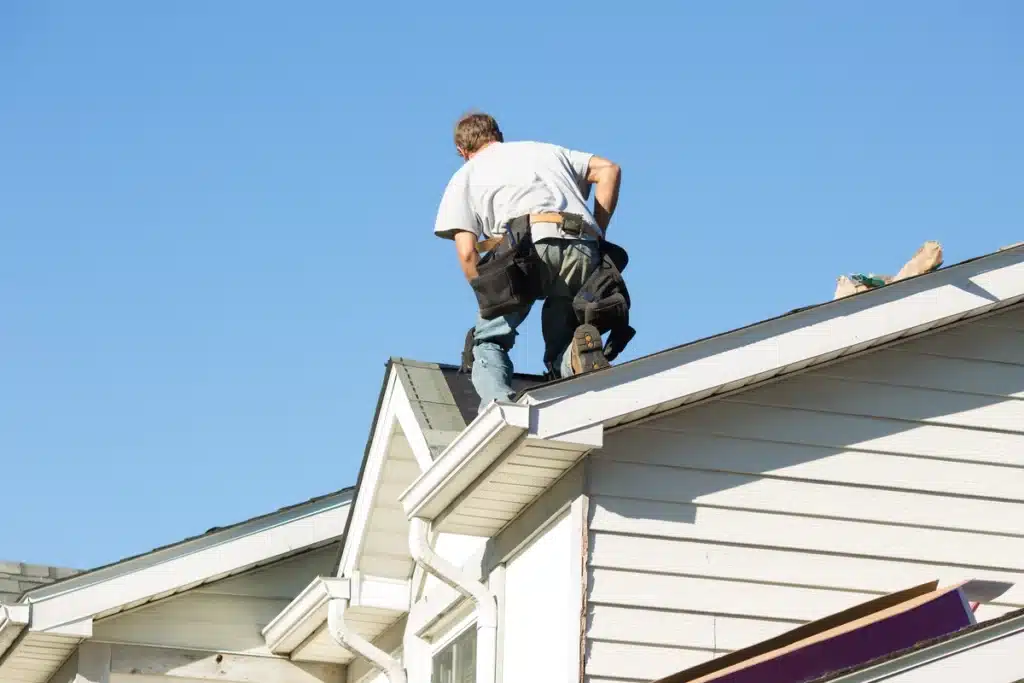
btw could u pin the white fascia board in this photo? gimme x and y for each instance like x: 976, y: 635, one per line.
x: 380, y: 592
x: 304, y: 615
x: 369, y: 484
x: 482, y: 442
x: 13, y: 620
x: 944, y: 653
x: 308, y: 611
x: 970, y: 288
x: 217, y: 554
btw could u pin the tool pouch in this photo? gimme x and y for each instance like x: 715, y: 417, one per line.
x: 603, y: 300
x: 510, y: 277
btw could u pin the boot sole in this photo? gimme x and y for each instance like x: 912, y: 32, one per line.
x: 587, y: 350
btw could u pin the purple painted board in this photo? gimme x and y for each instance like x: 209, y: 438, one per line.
x: 873, y: 629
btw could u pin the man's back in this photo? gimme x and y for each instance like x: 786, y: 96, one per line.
x: 509, y: 179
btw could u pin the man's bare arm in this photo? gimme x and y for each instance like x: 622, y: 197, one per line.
x: 465, y: 245
x: 607, y: 176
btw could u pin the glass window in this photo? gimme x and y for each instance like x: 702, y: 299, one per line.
x: 456, y: 662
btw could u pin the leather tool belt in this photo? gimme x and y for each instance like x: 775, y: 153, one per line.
x: 572, y: 224
x: 510, y: 276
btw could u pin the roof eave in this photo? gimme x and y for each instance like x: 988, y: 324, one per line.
x: 222, y: 554
x: 766, y: 349
x: 483, y: 441
x: 303, y: 615
x: 13, y: 621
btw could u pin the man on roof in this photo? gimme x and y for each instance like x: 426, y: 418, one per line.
x: 524, y: 206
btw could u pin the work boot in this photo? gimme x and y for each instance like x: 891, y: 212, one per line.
x: 585, y: 352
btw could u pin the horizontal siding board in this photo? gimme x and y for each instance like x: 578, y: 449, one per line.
x: 816, y: 463
x: 219, y: 622
x: 978, y: 342
x: 646, y: 662
x: 826, y: 394
x: 663, y: 627
x: 700, y: 594
x: 753, y: 492
x: 788, y: 425
x: 795, y: 568
x: 1011, y: 319
x: 815, y: 534
x: 900, y: 367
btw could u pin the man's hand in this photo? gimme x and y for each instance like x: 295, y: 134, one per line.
x: 607, y: 176
x: 465, y: 245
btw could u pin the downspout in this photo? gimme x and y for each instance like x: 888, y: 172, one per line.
x: 486, y: 604
x: 350, y: 640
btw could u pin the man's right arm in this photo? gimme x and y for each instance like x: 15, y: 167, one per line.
x: 456, y: 221
x: 606, y: 176
x: 465, y: 246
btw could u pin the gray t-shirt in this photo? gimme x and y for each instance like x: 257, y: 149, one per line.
x: 508, y: 179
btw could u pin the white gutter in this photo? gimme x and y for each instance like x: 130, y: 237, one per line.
x: 486, y: 603
x: 13, y: 620
x: 481, y: 443
x: 485, y: 441
x: 350, y: 640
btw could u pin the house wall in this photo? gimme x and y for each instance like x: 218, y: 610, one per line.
x: 716, y: 527
x: 540, y: 624
x: 226, y: 615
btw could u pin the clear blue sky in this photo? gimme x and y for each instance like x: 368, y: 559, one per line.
x: 216, y: 217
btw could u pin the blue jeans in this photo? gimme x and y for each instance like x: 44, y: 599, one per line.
x: 569, y: 263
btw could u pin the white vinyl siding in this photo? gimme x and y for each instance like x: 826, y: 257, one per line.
x: 226, y: 615
x: 731, y: 522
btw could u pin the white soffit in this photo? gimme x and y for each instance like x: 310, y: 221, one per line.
x: 299, y: 630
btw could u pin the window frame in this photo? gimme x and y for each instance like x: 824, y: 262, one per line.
x: 459, y: 629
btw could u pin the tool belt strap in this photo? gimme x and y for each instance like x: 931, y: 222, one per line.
x: 550, y: 217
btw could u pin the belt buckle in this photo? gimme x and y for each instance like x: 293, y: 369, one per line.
x: 572, y: 224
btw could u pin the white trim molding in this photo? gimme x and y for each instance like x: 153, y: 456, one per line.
x: 304, y: 615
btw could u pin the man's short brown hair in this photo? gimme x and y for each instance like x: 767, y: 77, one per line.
x: 476, y: 129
